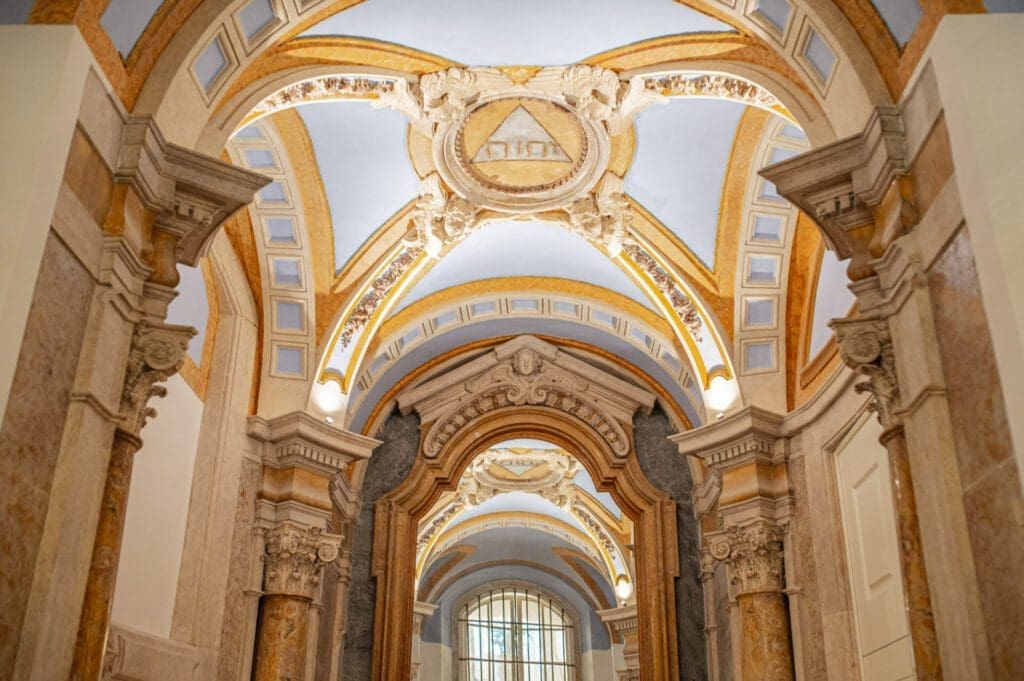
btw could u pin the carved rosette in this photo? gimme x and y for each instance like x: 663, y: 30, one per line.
x: 527, y: 380
x: 157, y: 353
x: 866, y: 346
x: 294, y: 557
x: 754, y: 554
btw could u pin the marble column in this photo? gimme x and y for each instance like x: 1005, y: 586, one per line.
x: 753, y: 553
x: 157, y: 352
x: 294, y: 558
x: 866, y: 346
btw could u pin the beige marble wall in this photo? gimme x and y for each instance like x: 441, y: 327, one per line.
x: 31, y: 433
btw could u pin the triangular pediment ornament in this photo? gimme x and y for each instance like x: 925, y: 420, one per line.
x: 520, y: 137
x: 526, y: 371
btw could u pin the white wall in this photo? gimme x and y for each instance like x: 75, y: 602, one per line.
x: 977, y: 61
x: 872, y: 551
x: 154, y: 533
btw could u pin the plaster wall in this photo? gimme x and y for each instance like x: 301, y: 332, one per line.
x: 154, y: 533
x: 976, y: 60
x: 53, y: 64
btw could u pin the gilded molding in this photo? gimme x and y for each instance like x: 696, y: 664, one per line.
x: 377, y: 294
x: 324, y: 88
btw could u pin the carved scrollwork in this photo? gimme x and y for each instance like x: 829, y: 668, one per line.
x: 592, y: 91
x: 439, y: 98
x: 440, y: 219
x: 753, y: 552
x: 604, y: 216
x: 294, y: 557
x: 157, y: 352
x: 866, y: 346
x: 526, y: 379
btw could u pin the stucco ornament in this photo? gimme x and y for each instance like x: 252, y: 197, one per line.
x: 157, y: 352
x: 294, y: 557
x: 440, y: 219
x: 603, y: 217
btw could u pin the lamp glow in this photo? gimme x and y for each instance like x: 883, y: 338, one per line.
x: 623, y: 587
x: 720, y: 394
x: 327, y: 397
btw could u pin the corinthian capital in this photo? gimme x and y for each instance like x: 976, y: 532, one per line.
x: 753, y: 552
x: 157, y: 353
x: 293, y: 558
x: 865, y: 345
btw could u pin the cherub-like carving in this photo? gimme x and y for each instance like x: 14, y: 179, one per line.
x: 440, y: 219
x: 602, y: 217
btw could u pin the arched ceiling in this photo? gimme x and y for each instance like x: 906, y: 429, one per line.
x: 527, y: 32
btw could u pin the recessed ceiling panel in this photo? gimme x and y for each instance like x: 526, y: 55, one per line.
x: 536, y: 32
x: 682, y: 153
x: 364, y: 165
x: 525, y: 249
x: 125, y: 20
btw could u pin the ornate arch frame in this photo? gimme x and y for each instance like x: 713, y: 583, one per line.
x: 399, y: 513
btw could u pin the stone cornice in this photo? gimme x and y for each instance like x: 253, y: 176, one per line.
x: 191, y: 193
x: 749, y: 435
x: 839, y: 183
x: 301, y: 440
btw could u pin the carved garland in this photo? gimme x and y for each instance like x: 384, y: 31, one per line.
x: 324, y: 88
x: 712, y: 85
x: 377, y: 294
x: 667, y: 285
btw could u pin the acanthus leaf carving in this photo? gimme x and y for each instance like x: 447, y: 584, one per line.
x: 753, y: 552
x: 636, y: 96
x: 157, y: 352
x: 438, y: 99
x: 865, y: 345
x: 294, y: 557
x: 592, y: 91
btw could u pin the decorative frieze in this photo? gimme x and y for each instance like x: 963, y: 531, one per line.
x: 753, y: 552
x: 668, y: 286
x: 294, y: 558
x: 157, y: 352
x: 865, y: 345
x: 712, y: 85
x: 324, y: 88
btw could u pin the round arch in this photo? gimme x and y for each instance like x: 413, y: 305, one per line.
x: 652, y: 512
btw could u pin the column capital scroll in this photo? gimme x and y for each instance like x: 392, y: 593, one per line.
x: 294, y: 557
x: 157, y: 352
x: 753, y: 552
x: 865, y: 344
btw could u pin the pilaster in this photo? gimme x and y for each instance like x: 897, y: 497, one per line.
x: 623, y: 621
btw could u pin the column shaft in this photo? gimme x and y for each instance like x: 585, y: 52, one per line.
x: 99, y: 590
x: 927, y: 663
x: 281, y: 638
x: 767, y: 649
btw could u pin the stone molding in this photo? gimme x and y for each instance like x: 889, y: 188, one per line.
x: 865, y: 344
x: 838, y: 184
x: 753, y: 552
x: 294, y: 557
x: 157, y: 352
x: 751, y: 435
x: 190, y: 193
x: 623, y: 621
x: 525, y: 371
x: 304, y: 441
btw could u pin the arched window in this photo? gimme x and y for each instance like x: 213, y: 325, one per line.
x: 514, y: 634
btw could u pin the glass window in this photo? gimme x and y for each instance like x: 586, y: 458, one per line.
x: 512, y: 634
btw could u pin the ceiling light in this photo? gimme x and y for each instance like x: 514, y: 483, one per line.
x: 721, y: 393
x: 623, y: 588
x: 327, y: 397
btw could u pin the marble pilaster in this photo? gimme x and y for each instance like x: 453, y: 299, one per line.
x: 623, y: 622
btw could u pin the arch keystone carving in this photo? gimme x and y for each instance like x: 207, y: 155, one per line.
x: 526, y: 371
